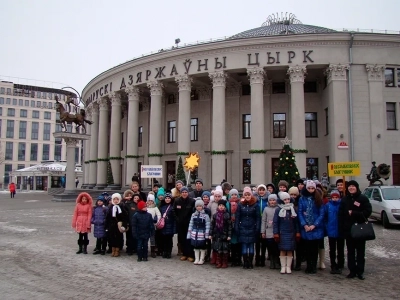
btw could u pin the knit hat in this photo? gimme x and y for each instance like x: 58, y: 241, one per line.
x: 218, y: 192
x: 247, y: 190
x: 284, y: 195
x: 178, y: 181
x: 206, y: 193
x: 184, y: 189
x: 233, y: 192
x: 335, y: 193
x: 293, y: 190
x: 299, y: 181
x: 168, y: 195
x: 310, y: 183
x: 353, y: 182
x: 261, y: 186
x: 199, y: 180
x: 100, y: 198
x: 141, y: 205
x: 150, y: 197
x: 273, y: 196
x: 199, y: 202
x: 222, y: 202
x: 116, y: 195
x: 284, y: 183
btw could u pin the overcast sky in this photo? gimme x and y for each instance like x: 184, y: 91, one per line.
x: 69, y: 42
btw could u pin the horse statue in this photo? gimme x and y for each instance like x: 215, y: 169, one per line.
x: 78, y: 119
x: 377, y: 173
x: 71, y: 100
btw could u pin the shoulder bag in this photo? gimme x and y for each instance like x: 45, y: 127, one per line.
x: 362, y: 231
x: 161, y: 223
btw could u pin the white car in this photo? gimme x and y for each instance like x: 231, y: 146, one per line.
x: 385, y: 202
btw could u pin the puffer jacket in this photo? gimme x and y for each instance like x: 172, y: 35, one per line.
x: 183, y: 209
x: 309, y: 214
x: 331, y: 216
x: 248, y: 221
x: 81, y: 219
x: 170, y: 224
x: 263, y: 202
x: 267, y: 222
x: 142, y: 225
x: 286, y: 227
x: 99, y: 215
x: 199, y: 229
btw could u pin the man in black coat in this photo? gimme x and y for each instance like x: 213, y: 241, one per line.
x: 355, y: 208
x: 183, y: 209
x: 198, y: 191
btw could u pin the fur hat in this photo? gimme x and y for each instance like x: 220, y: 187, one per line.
x: 206, y: 193
x: 199, y: 180
x: 222, y: 202
x: 284, y: 195
x: 294, y: 190
x: 129, y: 191
x: 247, y: 190
x: 261, y: 186
x: 150, y: 197
x: 335, y: 193
x: 284, y: 183
x: 233, y: 192
x: 199, y: 202
x: 310, y: 183
x: 141, y: 205
x: 116, y: 195
x: 184, y: 189
x: 273, y: 196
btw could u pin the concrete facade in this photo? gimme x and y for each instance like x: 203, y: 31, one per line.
x: 334, y: 80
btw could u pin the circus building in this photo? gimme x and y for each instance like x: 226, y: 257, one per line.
x: 334, y: 94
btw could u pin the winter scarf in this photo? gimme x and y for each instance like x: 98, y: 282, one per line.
x: 220, y: 220
x: 284, y: 208
x: 115, y: 209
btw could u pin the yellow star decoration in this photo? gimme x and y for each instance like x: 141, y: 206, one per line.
x: 192, y: 161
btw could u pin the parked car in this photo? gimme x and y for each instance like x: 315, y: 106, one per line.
x: 385, y: 202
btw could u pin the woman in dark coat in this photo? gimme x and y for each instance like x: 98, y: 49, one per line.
x: 167, y: 233
x: 248, y: 225
x: 355, y: 208
x: 116, y: 224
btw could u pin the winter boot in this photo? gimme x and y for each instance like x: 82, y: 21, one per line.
x: 218, y: 260
x: 80, y: 247
x: 283, y: 264
x: 251, y: 257
x: 197, y: 256
x: 289, y: 260
x: 112, y: 251
x: 179, y: 250
x: 202, y: 257
x: 116, y: 254
x: 258, y: 260
x: 85, y: 244
x: 298, y: 262
x: 244, y: 261
x: 153, y: 251
x: 224, y: 260
x: 272, y: 261
x: 321, y: 254
x: 213, y: 258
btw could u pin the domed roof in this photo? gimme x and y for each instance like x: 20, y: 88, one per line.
x: 281, y: 25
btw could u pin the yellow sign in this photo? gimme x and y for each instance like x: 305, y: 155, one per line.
x: 351, y: 168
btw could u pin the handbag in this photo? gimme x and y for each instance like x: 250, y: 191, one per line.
x: 362, y: 231
x: 161, y: 223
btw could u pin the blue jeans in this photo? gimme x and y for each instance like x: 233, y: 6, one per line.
x: 247, y: 248
x: 142, y: 248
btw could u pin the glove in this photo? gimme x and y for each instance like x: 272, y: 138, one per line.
x: 276, y: 238
x: 298, y: 236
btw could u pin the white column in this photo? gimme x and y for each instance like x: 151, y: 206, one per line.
x: 115, y: 138
x: 86, y: 150
x: 70, y: 178
x: 256, y: 76
x: 377, y: 108
x: 218, y: 127
x: 102, y: 148
x: 297, y: 115
x: 94, y: 145
x: 132, y: 136
x: 155, y: 121
x: 338, y: 127
x: 185, y: 85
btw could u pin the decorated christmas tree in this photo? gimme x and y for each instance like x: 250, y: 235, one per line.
x: 287, y: 169
x: 110, y: 178
x: 180, y: 173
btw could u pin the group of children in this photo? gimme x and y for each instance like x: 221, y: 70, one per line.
x: 219, y: 226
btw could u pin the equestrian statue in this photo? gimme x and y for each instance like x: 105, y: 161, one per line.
x: 377, y: 173
x: 66, y: 117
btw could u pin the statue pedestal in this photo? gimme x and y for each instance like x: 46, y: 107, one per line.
x: 71, y: 139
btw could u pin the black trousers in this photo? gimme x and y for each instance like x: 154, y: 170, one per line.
x: 101, y: 244
x: 336, y: 251
x: 130, y: 246
x: 355, y: 255
x: 300, y: 255
x: 167, y: 243
x: 159, y: 243
x: 311, y: 252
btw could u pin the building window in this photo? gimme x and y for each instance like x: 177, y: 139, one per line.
x: 10, y: 129
x: 76, y: 155
x: 8, y: 91
x: 9, y: 151
x: 58, y: 128
x: 8, y: 100
x: 57, y: 149
x: 22, y: 129
x: 1, y: 100
x: 35, y: 114
x: 311, y: 125
x: 326, y: 121
x: 1, y: 111
x: 15, y: 101
x: 19, y: 167
x: 279, y: 125
x: 50, y: 105
x: 171, y: 131
x: 38, y: 103
x: 26, y: 102
x: 246, y: 170
x: 194, y: 129
x: 389, y: 77
x: 171, y: 99
x: 46, y: 152
x: 35, y: 131
x: 2, y: 90
x: 44, y: 95
x: 0, y: 127
x: 246, y: 127
x: 47, y: 115
x: 246, y: 89
x: 21, y: 151
x: 20, y: 102
x: 46, y: 131
x: 23, y: 113
x: 33, y: 103
x: 278, y: 88
x: 140, y: 136
x: 391, y: 115
x: 11, y: 112
x: 34, y: 151
x: 310, y: 87
x: 194, y: 95
x: 7, y: 170
x: 312, y: 168
x: 38, y: 94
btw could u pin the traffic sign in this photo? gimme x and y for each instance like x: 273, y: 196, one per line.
x: 351, y: 168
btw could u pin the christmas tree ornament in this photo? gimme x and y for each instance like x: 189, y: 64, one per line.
x: 287, y: 158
